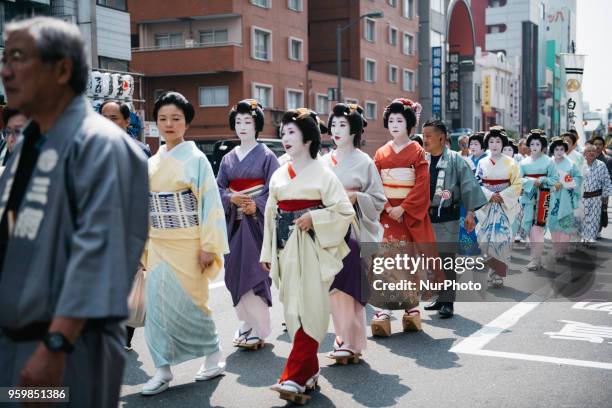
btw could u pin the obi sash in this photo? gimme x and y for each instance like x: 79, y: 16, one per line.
x: 592, y: 194
x: 173, y: 210
x: 288, y: 212
x: 535, y: 175
x: 496, y: 185
x: 398, y: 182
x: 251, y: 187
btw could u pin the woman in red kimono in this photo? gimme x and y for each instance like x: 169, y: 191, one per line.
x: 405, y: 174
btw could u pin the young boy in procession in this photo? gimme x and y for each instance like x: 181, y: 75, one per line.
x: 243, y: 181
x: 538, y: 175
x: 451, y: 184
x: 357, y: 172
x: 307, y: 217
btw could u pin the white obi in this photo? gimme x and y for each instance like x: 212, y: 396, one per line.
x: 398, y: 182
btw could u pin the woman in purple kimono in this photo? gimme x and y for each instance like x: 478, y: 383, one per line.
x: 243, y: 183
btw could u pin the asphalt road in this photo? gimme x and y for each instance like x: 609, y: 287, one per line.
x: 521, y: 349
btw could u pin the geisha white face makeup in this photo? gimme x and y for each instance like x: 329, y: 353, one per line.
x: 508, y: 151
x: 535, y: 147
x: 559, y: 152
x: 475, y: 148
x: 495, y: 145
x: 341, y: 132
x: 397, y: 125
x: 245, y: 127
x: 293, y: 141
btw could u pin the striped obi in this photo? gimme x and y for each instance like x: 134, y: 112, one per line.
x: 173, y: 210
x: 398, y: 182
x: 251, y: 187
x: 496, y: 185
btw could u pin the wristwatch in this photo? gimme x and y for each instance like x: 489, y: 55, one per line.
x: 57, y: 342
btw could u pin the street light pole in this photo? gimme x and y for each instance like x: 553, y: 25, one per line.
x: 339, y: 30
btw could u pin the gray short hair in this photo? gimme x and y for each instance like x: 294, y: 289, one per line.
x: 588, y: 147
x: 55, y: 40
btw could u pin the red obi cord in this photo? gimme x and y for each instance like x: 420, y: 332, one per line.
x: 245, y: 184
x: 494, y: 182
x: 297, y: 205
x: 536, y: 175
x: 303, y: 362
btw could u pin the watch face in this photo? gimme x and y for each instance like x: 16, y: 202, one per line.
x: 55, y: 341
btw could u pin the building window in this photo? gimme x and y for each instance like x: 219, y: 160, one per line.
x: 438, y: 5
x: 113, y: 64
x: 370, y: 30
x: 370, y: 70
x: 497, y: 28
x: 114, y: 4
x: 349, y: 101
x: 497, y: 3
x: 392, y: 35
x: 261, y: 3
x: 370, y: 110
x: 213, y: 36
x: 408, y: 9
x: 408, y: 81
x: 214, y: 96
x: 263, y: 94
x: 294, y: 98
x: 295, y: 5
x: 393, y: 74
x: 169, y: 40
x: 393, y: 3
x: 322, y: 104
x: 408, y: 44
x: 295, y: 49
x: 262, y: 44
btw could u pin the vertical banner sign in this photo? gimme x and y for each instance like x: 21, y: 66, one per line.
x: 436, y: 82
x: 574, y: 68
x: 486, y: 99
x: 453, y: 83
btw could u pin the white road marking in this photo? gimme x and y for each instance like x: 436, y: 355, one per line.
x: 476, y: 342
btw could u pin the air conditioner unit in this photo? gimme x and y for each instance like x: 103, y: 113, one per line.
x: 189, y: 43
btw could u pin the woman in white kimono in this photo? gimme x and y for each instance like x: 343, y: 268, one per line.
x: 596, y: 187
x: 307, y: 218
x: 187, y: 241
x: 499, y: 177
x: 359, y: 176
x: 538, y: 175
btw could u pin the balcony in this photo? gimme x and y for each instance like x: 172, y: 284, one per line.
x: 191, y: 58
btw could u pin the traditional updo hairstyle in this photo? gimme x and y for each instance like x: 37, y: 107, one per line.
x: 537, y: 134
x: 251, y: 107
x: 479, y: 137
x: 309, y: 124
x: 497, y: 131
x: 513, y: 145
x: 176, y: 99
x: 354, y: 115
x: 409, y: 109
x: 558, y: 141
x: 571, y: 135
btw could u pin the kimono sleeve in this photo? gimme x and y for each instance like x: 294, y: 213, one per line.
x: 213, y: 231
x: 109, y: 193
x: 377, y: 158
x: 371, y: 200
x: 526, y: 182
x: 472, y: 196
x: 332, y: 222
x: 511, y: 194
x: 416, y: 204
x: 267, y: 247
x: 606, y: 185
x: 479, y: 175
x: 223, y: 185
x: 551, y: 177
x: 270, y: 166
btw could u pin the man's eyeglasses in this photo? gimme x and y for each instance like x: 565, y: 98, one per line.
x: 16, y: 133
x: 463, y: 145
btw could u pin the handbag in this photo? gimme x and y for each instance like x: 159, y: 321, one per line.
x: 136, y: 300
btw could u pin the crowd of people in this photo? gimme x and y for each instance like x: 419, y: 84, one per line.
x: 303, y: 222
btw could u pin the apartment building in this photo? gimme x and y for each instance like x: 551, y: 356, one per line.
x: 281, y: 52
